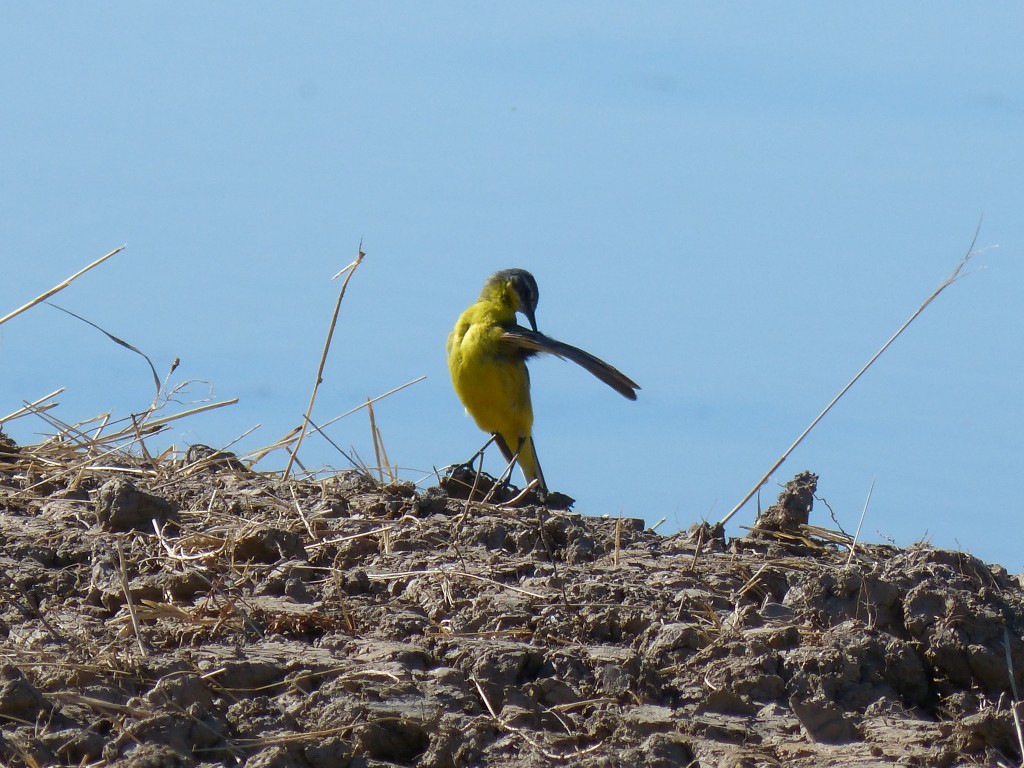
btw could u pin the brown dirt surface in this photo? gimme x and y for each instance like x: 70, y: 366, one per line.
x: 166, y: 613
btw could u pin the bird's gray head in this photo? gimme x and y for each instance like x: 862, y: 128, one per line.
x: 525, y: 289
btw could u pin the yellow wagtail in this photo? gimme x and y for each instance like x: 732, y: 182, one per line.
x: 487, y: 354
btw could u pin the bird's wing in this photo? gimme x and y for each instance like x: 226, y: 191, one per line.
x: 532, y: 341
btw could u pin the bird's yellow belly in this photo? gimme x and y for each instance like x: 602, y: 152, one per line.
x: 494, y: 387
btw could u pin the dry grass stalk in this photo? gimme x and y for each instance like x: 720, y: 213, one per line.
x: 383, y: 463
x: 945, y: 284
x: 516, y: 499
x: 371, y: 401
x: 863, y: 514
x: 557, y: 756
x: 255, y: 457
x: 393, y: 576
x: 300, y: 738
x: 59, y: 287
x: 1016, y: 696
x: 101, y: 706
x: 285, y: 442
x: 76, y: 467
x: 177, y: 551
x: 33, y: 407
x: 351, y: 269
x: 121, y: 342
x: 183, y: 414
x: 302, y: 515
x: 503, y: 478
x: 122, y: 572
x: 342, y: 539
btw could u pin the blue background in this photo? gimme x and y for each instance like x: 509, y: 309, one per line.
x: 734, y: 203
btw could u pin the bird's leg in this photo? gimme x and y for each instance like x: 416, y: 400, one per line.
x: 506, y: 477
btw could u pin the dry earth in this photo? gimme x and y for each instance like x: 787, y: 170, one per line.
x: 195, y: 613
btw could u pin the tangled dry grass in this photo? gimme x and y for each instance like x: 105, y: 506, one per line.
x: 166, y: 608
x: 187, y: 610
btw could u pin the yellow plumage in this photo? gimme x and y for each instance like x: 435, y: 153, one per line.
x: 487, y: 353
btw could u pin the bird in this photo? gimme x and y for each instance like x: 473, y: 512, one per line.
x: 487, y: 354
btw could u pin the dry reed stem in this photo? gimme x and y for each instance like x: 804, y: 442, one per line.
x: 945, y: 284
x: 176, y: 553
x: 369, y: 402
x: 863, y: 514
x: 89, y: 462
x: 697, y: 546
x: 100, y: 705
x: 255, y: 457
x: 104, y: 422
x: 1013, y: 688
x: 137, y: 428
x: 174, y: 417
x: 122, y: 572
x: 343, y: 539
x: 516, y: 499
x: 32, y: 407
x: 302, y: 515
x: 504, y: 478
x: 120, y: 342
x: 374, y: 435
x: 394, y: 576
x: 351, y: 269
x: 59, y: 287
x: 558, y: 756
x: 65, y: 431
x: 379, y: 451
x: 751, y: 582
x: 298, y: 738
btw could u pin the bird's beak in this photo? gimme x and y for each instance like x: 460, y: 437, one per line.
x: 531, y: 318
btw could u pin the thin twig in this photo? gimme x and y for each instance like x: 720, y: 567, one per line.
x: 59, y: 287
x: 378, y: 445
x: 535, y: 483
x: 863, y: 514
x: 576, y: 753
x: 443, y: 572
x: 341, y: 539
x: 477, y: 476
x: 122, y: 572
x: 32, y: 407
x: 369, y: 402
x: 174, y: 417
x: 355, y: 461
x: 302, y: 515
x: 1013, y: 688
x: 945, y: 284
x: 351, y: 269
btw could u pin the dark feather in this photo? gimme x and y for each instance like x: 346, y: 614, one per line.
x: 535, y: 342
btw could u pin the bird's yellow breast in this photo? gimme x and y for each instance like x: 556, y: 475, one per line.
x: 489, y: 376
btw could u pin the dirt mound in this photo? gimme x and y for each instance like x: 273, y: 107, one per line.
x: 202, y: 615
